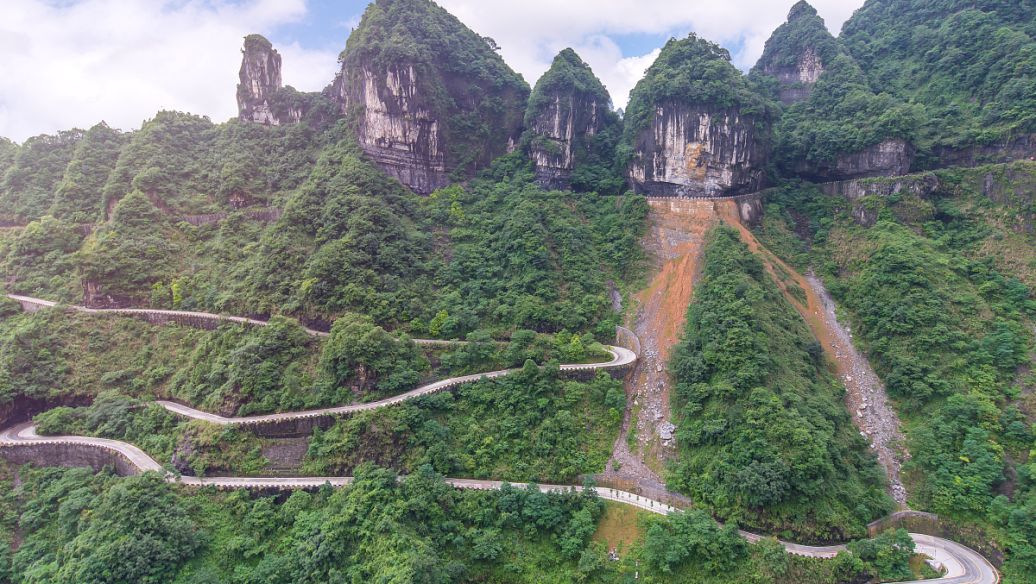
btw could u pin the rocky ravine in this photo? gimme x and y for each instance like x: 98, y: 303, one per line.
x: 675, y: 239
x: 865, y: 397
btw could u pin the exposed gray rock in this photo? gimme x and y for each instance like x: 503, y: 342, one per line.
x: 697, y: 152
x: 397, y: 126
x: 889, y: 158
x: 260, y: 79
x: 854, y: 191
x: 796, y: 83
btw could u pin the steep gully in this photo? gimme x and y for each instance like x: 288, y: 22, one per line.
x: 865, y: 394
x: 679, y: 254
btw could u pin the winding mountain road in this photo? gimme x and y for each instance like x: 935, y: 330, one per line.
x: 621, y: 358
x: 31, y: 304
x: 963, y: 565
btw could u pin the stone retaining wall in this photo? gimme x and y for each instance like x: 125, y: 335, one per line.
x: 67, y: 454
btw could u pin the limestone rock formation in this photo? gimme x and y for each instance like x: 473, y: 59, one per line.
x: 570, y: 123
x: 695, y: 127
x: 856, y: 191
x: 796, y: 53
x: 260, y: 79
x: 431, y: 100
x: 891, y: 157
x: 697, y: 151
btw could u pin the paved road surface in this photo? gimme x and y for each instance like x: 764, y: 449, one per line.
x: 29, y: 300
x: 620, y: 358
x: 964, y: 566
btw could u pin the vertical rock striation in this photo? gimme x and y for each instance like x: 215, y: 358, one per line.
x: 431, y: 101
x: 695, y: 127
x: 891, y: 157
x: 260, y: 79
x: 570, y: 123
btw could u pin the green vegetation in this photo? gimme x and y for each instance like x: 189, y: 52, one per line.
x: 84, y: 528
x: 971, y: 66
x: 573, y: 84
x: 76, y: 526
x: 28, y: 185
x: 764, y: 438
x: 931, y: 296
x: 126, y: 256
x: 693, y: 71
x: 842, y: 114
x: 543, y: 265
x: 194, y: 448
x: 80, y: 527
x: 526, y: 426
x: 76, y: 197
x: 804, y: 31
x: 460, y: 78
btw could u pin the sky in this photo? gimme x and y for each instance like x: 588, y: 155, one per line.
x: 73, y: 63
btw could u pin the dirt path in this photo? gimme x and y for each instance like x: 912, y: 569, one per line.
x: 674, y: 241
x: 865, y: 393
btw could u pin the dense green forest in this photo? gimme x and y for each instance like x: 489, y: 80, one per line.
x: 764, y: 437
x: 76, y: 526
x: 842, y: 114
x: 935, y: 294
x: 969, y: 66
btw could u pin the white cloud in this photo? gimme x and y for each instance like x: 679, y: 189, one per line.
x: 123, y: 60
x: 71, y: 64
x: 532, y: 31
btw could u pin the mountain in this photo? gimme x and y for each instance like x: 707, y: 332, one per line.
x: 796, y: 53
x: 431, y: 100
x: 694, y: 125
x: 971, y: 66
x: 571, y: 128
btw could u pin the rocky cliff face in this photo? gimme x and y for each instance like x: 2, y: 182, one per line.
x: 888, y: 158
x: 397, y: 125
x: 697, y: 151
x: 437, y: 111
x: 796, y: 53
x: 695, y: 126
x: 796, y: 82
x: 856, y: 191
x: 568, y: 122
x: 260, y: 79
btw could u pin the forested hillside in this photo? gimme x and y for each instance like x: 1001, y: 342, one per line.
x: 435, y: 262
x: 938, y: 291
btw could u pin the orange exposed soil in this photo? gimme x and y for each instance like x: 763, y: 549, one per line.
x: 788, y: 280
x: 675, y: 239
x: 865, y: 393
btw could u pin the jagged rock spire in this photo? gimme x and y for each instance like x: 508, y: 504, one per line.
x: 260, y: 79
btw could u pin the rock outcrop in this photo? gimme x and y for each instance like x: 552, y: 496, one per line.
x: 437, y: 111
x: 570, y: 122
x: 697, y: 151
x: 260, y: 79
x: 892, y: 157
x: 856, y: 191
x: 694, y: 126
x: 796, y: 53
